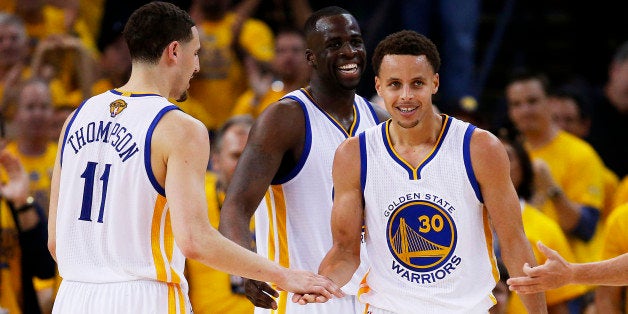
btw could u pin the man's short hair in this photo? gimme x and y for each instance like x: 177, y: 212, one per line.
x: 310, y: 24
x: 153, y: 26
x: 406, y: 42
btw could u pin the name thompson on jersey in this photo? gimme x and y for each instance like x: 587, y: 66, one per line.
x: 422, y: 238
x: 108, y: 132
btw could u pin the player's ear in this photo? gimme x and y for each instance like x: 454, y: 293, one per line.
x: 436, y: 83
x: 310, y: 57
x: 172, y: 50
x: 378, y: 85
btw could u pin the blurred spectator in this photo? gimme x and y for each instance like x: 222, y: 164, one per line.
x: 23, y: 235
x: 621, y: 194
x: 614, y: 300
x: 114, y: 65
x: 13, y: 51
x: 69, y: 68
x: 289, y: 71
x: 212, y: 291
x: 609, y: 120
x: 571, y: 198
x: 32, y: 145
x: 458, y: 22
x: 537, y: 227
x: 226, y: 38
x: 571, y: 113
x: 31, y: 142
x: 43, y: 19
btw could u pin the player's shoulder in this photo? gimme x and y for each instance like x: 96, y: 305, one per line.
x: 178, y: 124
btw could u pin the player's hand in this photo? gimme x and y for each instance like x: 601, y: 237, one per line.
x: 554, y: 273
x: 260, y: 294
x: 308, y: 298
x: 309, y: 287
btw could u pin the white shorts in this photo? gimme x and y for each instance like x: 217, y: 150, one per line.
x: 141, y: 296
x: 346, y: 305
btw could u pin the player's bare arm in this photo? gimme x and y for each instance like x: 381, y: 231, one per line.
x: 492, y: 169
x: 54, y: 193
x: 556, y: 272
x: 185, y: 164
x: 275, y: 143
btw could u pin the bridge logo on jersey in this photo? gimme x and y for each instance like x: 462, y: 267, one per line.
x: 116, y: 107
x: 422, y: 238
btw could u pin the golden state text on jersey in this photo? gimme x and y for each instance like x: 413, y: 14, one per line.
x: 422, y: 238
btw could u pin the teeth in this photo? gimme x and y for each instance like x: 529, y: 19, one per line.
x: 348, y: 67
x: 406, y: 109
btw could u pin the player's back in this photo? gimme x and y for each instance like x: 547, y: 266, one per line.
x: 112, y: 217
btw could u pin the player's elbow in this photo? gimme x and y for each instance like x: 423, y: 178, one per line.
x: 52, y: 247
x: 190, y: 246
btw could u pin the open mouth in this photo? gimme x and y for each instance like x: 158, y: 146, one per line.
x: 407, y: 110
x: 350, y: 68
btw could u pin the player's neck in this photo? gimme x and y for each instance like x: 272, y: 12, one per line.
x: 147, y: 79
x: 332, y: 99
x: 425, y: 132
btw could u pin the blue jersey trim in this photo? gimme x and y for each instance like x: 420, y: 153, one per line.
x: 447, y: 123
x: 307, y: 145
x: 117, y: 92
x: 415, y: 173
x: 356, y: 118
x: 147, y: 147
x: 372, y: 110
x: 466, y: 153
x: 363, y: 161
x: 67, y: 130
x: 354, y: 125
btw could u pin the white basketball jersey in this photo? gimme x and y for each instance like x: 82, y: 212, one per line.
x: 113, y: 222
x: 427, y: 235
x: 292, y: 223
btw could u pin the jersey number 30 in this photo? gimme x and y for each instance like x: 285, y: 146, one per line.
x: 88, y: 191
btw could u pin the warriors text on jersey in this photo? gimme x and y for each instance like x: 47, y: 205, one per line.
x: 113, y: 222
x: 293, y: 221
x: 428, y: 237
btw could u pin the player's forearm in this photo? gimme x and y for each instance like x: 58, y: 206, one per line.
x: 339, y: 265
x: 515, y: 253
x: 612, y: 272
x: 216, y: 251
x: 235, y: 228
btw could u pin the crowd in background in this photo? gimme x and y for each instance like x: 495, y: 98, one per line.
x: 546, y: 80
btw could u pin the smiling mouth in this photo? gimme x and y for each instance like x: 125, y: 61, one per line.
x: 348, y: 68
x: 406, y: 110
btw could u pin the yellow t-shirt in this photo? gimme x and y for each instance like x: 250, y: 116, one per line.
x: 10, y: 268
x: 39, y: 169
x: 578, y: 170
x: 538, y: 226
x: 222, y: 78
x: 244, y: 105
x: 611, y: 182
x: 616, y: 239
x: 621, y: 194
x: 210, y: 289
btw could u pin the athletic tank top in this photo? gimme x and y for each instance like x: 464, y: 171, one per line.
x: 113, y: 222
x: 428, y: 238
x: 292, y: 222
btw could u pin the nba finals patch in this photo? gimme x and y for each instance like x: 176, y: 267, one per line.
x: 116, y: 107
x: 422, y: 238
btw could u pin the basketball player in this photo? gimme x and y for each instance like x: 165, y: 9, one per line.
x: 119, y: 241
x: 426, y: 186
x: 291, y: 148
